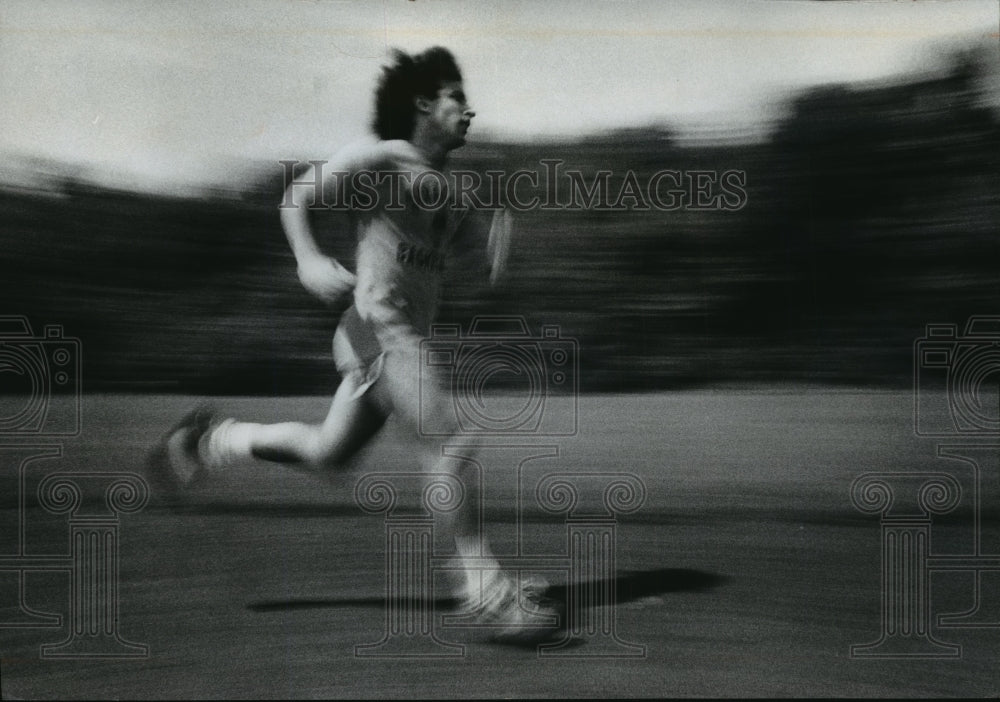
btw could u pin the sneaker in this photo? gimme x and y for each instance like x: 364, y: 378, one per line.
x: 517, y: 614
x: 175, y: 463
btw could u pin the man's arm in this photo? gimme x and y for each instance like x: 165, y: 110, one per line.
x: 498, y: 244
x: 320, y: 274
x: 483, y: 241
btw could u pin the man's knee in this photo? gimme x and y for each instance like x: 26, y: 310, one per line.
x: 330, y: 459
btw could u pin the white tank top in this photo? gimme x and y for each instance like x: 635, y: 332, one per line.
x: 403, y: 245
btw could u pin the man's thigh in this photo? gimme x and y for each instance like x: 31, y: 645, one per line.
x: 418, y: 391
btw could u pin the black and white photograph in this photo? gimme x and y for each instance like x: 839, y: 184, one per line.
x: 429, y: 349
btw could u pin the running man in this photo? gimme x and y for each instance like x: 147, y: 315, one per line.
x: 421, y: 114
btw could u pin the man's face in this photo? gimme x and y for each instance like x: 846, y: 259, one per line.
x: 450, y: 114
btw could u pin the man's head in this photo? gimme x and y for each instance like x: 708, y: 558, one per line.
x: 425, y: 89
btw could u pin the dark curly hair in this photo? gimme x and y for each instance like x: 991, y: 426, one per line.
x: 402, y: 81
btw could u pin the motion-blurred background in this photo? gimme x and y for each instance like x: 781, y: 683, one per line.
x: 140, y: 181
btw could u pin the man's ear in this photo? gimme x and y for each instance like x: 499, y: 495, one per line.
x: 422, y: 103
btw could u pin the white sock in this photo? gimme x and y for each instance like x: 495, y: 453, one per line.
x: 230, y: 442
x: 481, y: 577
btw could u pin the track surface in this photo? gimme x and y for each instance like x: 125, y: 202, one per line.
x: 747, y: 571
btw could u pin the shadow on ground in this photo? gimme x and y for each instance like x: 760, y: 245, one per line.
x: 629, y: 587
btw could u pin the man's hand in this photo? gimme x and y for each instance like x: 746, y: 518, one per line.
x: 498, y: 244
x: 325, y: 278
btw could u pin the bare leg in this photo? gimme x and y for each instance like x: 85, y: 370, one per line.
x: 348, y: 426
x: 314, y: 448
x: 401, y: 388
x: 455, y: 456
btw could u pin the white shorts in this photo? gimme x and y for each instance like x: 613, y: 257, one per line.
x: 358, y: 352
x: 385, y: 363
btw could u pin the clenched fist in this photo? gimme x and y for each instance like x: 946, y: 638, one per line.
x: 325, y: 278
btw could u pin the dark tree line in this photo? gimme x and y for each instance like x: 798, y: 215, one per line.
x: 871, y: 212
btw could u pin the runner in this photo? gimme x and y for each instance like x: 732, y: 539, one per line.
x: 404, y: 236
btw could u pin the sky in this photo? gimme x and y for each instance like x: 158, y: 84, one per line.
x: 181, y: 92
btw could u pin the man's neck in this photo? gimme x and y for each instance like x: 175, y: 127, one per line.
x: 433, y: 151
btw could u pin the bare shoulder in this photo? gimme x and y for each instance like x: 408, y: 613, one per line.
x: 375, y: 154
x: 403, y: 155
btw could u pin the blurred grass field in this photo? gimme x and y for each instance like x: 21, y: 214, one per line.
x: 750, y: 488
